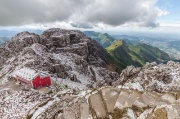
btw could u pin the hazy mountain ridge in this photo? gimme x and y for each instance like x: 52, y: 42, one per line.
x: 6, y: 35
x: 104, y: 40
x: 3, y: 40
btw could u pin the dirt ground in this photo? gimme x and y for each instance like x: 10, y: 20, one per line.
x: 12, y: 85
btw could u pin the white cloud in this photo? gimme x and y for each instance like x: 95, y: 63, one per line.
x: 162, y: 12
x: 80, y: 13
x: 169, y: 24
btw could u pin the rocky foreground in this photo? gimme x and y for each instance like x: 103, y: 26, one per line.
x: 151, y: 77
x: 109, y: 103
x: 16, y: 104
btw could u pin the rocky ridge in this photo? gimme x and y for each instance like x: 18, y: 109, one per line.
x: 69, y: 56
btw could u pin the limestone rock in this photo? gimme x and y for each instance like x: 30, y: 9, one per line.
x: 110, y: 96
x: 98, y: 107
x: 160, y: 113
x: 153, y: 76
x: 64, y: 54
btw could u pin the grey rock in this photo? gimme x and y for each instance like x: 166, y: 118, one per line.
x: 154, y: 77
x: 64, y: 54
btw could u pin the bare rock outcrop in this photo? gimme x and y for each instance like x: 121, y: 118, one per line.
x: 152, y: 76
x: 110, y: 103
x: 65, y: 54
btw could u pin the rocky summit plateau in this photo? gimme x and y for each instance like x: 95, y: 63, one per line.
x: 86, y: 81
x: 64, y: 54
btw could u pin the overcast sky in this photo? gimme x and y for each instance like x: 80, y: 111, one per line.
x: 91, y: 14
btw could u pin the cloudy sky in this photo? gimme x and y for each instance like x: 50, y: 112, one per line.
x: 91, y: 14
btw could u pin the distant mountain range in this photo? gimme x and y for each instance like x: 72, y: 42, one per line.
x: 11, y: 33
x: 170, y: 45
x: 104, y: 40
x: 3, y: 40
x: 129, y: 50
x: 6, y: 35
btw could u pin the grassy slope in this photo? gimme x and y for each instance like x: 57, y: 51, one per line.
x: 136, y: 55
x: 149, y: 53
x: 111, y: 50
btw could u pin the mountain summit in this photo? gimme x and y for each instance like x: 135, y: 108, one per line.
x: 69, y: 56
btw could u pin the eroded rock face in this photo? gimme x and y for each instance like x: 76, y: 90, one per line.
x: 4, y: 54
x: 22, y: 40
x: 111, y: 103
x: 129, y: 73
x: 152, y: 76
x: 65, y: 54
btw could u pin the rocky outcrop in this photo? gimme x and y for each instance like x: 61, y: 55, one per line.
x: 4, y: 54
x: 152, y: 76
x: 129, y: 73
x: 65, y: 54
x: 22, y: 40
x: 110, y: 103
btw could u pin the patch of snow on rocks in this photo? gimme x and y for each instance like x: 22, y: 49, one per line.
x: 42, y: 109
x: 135, y: 86
x: 131, y: 114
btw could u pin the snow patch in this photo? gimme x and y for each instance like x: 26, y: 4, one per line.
x: 42, y: 109
x: 135, y: 86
